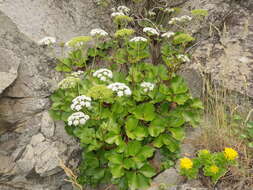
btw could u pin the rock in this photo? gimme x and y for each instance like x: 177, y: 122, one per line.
x: 228, y: 61
x: 27, y: 162
x: 61, y: 19
x: 9, y: 64
x: 47, y: 159
x: 37, y: 139
x: 166, y: 179
x: 6, y: 164
x: 47, y: 125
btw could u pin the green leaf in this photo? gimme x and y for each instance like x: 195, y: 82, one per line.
x: 133, y: 148
x: 191, y: 117
x: 140, y: 132
x: 250, y: 145
x: 145, y: 112
x: 129, y: 163
x: 162, y: 72
x: 137, y: 181
x: 177, y: 133
x: 158, y: 142
x: 197, y: 104
x: 147, y: 171
x: 174, y: 121
x: 181, y: 98
x: 178, y: 85
x: 131, y: 123
x: 112, y: 138
x: 165, y: 139
x: 145, y: 152
x: 157, y: 126
x: 117, y: 171
x: 121, y: 56
x: 115, y: 158
x: 250, y: 124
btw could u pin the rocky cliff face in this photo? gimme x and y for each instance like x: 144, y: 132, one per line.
x: 31, y: 143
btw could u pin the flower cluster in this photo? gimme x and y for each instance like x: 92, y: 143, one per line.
x: 183, y: 58
x: 79, y: 102
x: 103, y: 74
x: 123, y: 9
x: 78, y: 41
x: 124, y: 32
x: 184, y: 18
x: 150, y: 31
x: 214, y: 165
x: 214, y: 169
x: 186, y: 163
x: 69, y: 82
x: 78, y: 118
x: 168, y: 34
x: 120, y: 88
x: 77, y: 73
x: 169, y: 10
x: 147, y: 86
x: 230, y: 154
x: 47, y: 41
x: 98, y: 32
x: 114, y: 14
x: 138, y: 39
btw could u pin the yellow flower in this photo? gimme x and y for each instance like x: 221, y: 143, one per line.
x: 230, y: 153
x: 186, y: 163
x: 214, y: 169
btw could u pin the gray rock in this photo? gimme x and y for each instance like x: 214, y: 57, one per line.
x: 9, y: 64
x: 61, y: 19
x: 47, y: 159
x: 228, y: 61
x: 167, y: 179
x: 37, y: 139
x: 27, y: 162
x: 47, y: 125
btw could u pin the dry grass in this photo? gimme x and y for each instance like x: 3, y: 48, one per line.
x: 71, y: 175
x: 220, y: 130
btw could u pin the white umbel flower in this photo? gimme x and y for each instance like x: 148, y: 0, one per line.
x: 79, y: 102
x: 77, y: 73
x: 120, y: 88
x: 123, y: 9
x: 78, y: 118
x: 138, y: 39
x: 114, y: 14
x: 168, y: 34
x: 103, y: 74
x: 47, y: 41
x: 169, y: 10
x: 184, y: 18
x: 147, y: 86
x: 183, y: 58
x: 151, y: 31
x: 98, y: 32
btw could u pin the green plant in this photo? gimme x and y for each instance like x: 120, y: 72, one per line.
x: 123, y: 115
x: 243, y: 128
x: 214, y: 165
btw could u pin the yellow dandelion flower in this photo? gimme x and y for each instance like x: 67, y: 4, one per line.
x: 186, y: 163
x: 214, y: 169
x: 230, y: 153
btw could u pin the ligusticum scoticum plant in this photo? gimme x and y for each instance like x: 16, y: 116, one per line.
x: 129, y: 110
